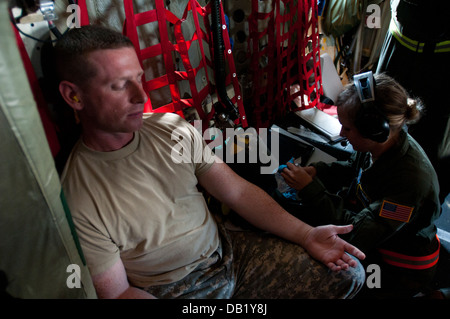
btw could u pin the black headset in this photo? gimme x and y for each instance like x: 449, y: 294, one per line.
x: 370, y: 121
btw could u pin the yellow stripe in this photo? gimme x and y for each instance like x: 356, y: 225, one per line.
x: 405, y: 41
x: 442, y: 50
x: 443, y: 46
x: 414, y: 45
x: 444, y: 43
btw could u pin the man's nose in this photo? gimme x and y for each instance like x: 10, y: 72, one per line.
x: 139, y: 94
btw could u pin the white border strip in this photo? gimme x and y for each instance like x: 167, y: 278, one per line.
x: 443, y: 235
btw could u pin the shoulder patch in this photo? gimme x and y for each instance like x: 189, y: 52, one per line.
x: 395, y: 211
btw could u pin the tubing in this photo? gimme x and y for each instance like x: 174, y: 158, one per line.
x: 219, y: 61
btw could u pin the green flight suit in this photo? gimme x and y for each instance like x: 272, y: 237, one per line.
x: 423, y: 71
x: 403, y: 177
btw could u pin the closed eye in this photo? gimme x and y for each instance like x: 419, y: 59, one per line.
x: 120, y: 86
x: 123, y: 83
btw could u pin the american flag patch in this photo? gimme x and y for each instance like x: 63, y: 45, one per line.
x: 394, y: 211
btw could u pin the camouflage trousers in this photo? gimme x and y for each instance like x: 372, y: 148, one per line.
x: 258, y: 265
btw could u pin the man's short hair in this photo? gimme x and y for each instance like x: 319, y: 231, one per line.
x: 73, y: 47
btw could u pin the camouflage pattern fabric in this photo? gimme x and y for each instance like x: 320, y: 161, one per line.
x: 258, y: 265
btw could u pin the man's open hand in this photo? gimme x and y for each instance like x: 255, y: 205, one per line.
x: 324, y: 244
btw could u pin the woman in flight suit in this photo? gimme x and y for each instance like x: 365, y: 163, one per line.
x: 388, y: 190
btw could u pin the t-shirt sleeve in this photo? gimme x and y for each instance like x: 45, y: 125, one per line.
x: 100, y: 251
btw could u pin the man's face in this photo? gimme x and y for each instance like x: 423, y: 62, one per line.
x: 113, y: 100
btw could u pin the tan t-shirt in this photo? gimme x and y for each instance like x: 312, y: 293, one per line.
x: 141, y: 204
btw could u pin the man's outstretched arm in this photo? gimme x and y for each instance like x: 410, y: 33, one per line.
x: 257, y: 207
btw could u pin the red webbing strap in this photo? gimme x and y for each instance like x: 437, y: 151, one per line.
x: 276, y: 50
x: 310, y: 52
x: 49, y: 127
x: 285, y: 50
x: 261, y: 55
x: 281, y: 54
x: 84, y: 16
x: 130, y: 30
x: 167, y: 49
x: 411, y: 262
x: 182, y: 46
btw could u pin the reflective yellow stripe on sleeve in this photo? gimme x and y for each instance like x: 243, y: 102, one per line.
x: 414, y: 45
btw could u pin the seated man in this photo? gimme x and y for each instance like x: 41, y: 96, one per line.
x: 144, y: 227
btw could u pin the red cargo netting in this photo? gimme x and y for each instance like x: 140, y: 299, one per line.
x: 174, y: 44
x: 285, y: 52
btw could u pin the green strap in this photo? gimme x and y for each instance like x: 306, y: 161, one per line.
x: 72, y: 226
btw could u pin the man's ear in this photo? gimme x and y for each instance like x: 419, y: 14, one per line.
x: 70, y: 94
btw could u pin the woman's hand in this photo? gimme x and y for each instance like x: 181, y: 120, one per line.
x: 298, y: 177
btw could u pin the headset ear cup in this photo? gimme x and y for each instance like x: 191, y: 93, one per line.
x: 370, y: 121
x: 372, y: 124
